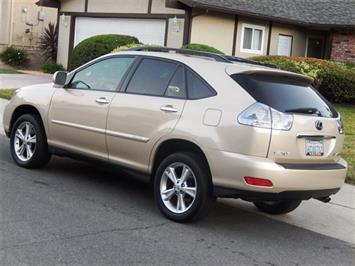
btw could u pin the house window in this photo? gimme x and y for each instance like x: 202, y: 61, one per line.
x: 252, y: 39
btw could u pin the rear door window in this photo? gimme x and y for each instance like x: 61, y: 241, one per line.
x: 285, y: 94
x: 152, y: 77
x: 177, y: 88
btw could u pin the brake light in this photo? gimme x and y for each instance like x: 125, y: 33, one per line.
x: 258, y: 181
x: 261, y: 115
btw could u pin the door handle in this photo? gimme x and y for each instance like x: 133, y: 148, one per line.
x: 168, y: 109
x: 102, y: 100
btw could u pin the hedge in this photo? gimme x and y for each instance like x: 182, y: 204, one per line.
x: 334, y: 80
x: 202, y: 47
x: 97, y: 46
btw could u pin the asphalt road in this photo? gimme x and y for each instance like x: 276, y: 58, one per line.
x: 73, y: 213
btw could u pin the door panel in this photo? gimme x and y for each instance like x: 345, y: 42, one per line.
x: 77, y: 121
x: 135, y: 123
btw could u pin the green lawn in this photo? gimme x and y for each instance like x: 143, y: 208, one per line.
x: 6, y: 93
x: 348, y: 114
x: 9, y: 71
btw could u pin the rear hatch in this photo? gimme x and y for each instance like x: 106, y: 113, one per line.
x: 316, y: 135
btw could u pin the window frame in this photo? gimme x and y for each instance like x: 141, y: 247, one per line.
x: 253, y: 27
x: 87, y: 65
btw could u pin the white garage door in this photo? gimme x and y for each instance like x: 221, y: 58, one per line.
x: 148, y: 31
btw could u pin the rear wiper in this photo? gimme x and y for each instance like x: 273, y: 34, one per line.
x: 308, y: 111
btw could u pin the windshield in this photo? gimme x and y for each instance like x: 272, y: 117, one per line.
x: 285, y: 94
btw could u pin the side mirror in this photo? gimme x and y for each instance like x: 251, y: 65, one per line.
x: 60, y: 78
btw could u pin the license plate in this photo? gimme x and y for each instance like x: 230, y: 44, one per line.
x: 314, y: 147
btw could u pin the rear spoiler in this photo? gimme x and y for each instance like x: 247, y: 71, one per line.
x: 270, y: 72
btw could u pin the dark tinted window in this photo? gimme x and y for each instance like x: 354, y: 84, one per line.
x: 285, y: 94
x: 103, y: 75
x: 176, y: 88
x: 151, y: 77
x: 197, y: 88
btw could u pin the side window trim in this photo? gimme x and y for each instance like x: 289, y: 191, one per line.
x: 75, y: 72
x: 213, y: 91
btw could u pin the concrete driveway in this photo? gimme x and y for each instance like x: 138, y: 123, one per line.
x: 15, y: 81
x: 73, y: 213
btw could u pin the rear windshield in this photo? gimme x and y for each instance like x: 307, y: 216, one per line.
x: 285, y: 94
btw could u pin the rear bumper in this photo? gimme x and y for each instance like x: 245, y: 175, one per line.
x: 229, y: 169
x: 264, y: 196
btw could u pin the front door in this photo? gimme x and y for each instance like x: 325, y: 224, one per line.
x: 149, y: 108
x: 315, y: 47
x: 78, y: 113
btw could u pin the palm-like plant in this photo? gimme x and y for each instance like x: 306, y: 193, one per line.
x: 48, y: 42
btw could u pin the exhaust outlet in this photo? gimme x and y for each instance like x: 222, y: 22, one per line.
x: 324, y: 199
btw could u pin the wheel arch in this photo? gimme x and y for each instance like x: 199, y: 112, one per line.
x: 22, y: 110
x: 170, y: 146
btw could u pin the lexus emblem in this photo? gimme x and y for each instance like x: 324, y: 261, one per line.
x: 319, y: 125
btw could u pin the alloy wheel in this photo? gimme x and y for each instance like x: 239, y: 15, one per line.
x: 178, y: 188
x: 25, y: 141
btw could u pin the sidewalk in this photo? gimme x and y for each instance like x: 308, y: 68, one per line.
x: 15, y: 81
x: 335, y: 219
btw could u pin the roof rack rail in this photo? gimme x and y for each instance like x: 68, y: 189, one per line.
x: 217, y: 57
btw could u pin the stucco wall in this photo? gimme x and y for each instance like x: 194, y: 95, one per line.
x: 63, y: 40
x: 22, y: 12
x: 118, y: 6
x: 299, y: 39
x: 158, y: 6
x: 214, y: 30
x: 72, y: 6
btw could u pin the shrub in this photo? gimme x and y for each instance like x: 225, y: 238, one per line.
x: 96, y: 46
x: 48, y: 42
x: 335, y: 81
x: 52, y: 67
x: 133, y: 45
x: 14, y: 57
x: 202, y: 47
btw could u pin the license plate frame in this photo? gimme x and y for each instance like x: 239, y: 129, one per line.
x: 314, y: 148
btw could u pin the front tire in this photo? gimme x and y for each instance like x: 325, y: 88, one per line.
x: 28, y: 142
x: 183, y: 187
x: 277, y: 207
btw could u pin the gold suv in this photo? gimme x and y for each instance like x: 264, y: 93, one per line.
x: 197, y: 125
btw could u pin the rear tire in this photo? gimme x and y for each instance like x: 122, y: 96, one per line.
x: 28, y: 142
x: 277, y: 207
x: 193, y: 190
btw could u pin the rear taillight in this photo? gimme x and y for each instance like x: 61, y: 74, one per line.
x: 340, y: 125
x: 261, y: 115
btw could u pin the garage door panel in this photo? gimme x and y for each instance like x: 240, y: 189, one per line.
x: 148, y: 31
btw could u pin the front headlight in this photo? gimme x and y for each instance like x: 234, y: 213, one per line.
x: 261, y: 115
